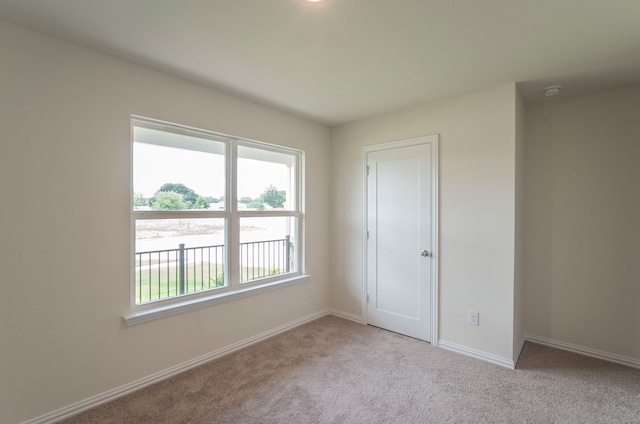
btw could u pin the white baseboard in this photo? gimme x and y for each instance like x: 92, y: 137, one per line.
x: 113, y: 394
x: 487, y: 357
x: 587, y: 351
x: 350, y: 317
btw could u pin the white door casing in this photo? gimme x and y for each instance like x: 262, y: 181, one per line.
x: 400, y: 237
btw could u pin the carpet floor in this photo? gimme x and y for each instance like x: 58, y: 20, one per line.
x: 336, y: 371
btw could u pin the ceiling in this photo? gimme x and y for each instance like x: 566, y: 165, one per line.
x: 341, y: 60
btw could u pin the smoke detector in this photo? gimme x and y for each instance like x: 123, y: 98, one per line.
x: 552, y: 90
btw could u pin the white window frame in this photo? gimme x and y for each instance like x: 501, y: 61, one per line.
x: 233, y: 289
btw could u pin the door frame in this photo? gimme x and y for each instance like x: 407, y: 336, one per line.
x: 432, y: 141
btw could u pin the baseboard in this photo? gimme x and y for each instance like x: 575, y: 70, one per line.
x: 350, y: 317
x: 487, y: 357
x: 113, y: 394
x: 586, y: 351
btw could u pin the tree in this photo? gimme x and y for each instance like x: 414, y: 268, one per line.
x: 245, y: 200
x: 274, y: 197
x: 168, y: 201
x: 189, y: 196
x: 201, y: 203
x: 140, y: 200
x: 259, y: 206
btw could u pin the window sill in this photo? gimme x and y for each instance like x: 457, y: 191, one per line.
x: 139, y: 317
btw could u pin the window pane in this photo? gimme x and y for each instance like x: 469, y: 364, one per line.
x: 177, y: 172
x: 267, y: 247
x: 178, y: 256
x: 266, y: 179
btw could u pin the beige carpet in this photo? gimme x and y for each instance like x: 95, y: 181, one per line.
x: 337, y: 371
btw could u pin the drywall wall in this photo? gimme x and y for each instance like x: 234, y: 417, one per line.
x: 477, y: 211
x: 518, y: 301
x: 65, y: 223
x: 583, y: 221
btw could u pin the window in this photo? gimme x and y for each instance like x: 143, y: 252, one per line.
x: 212, y: 215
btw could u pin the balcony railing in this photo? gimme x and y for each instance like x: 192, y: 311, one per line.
x: 161, y: 274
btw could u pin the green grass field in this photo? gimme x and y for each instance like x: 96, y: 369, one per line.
x: 163, y: 282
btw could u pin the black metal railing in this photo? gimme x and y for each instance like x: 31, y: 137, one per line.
x: 261, y: 259
x: 161, y: 274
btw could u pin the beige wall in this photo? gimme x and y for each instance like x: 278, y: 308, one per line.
x: 477, y: 211
x: 64, y: 223
x: 583, y: 221
x: 519, y: 300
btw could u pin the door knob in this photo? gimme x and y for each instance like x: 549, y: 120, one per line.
x: 425, y: 253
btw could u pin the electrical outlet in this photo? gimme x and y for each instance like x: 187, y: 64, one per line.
x: 310, y: 291
x: 474, y: 318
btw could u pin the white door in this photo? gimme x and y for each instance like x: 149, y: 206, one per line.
x: 399, y: 244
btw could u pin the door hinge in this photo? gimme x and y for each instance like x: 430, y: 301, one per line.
x: 367, y: 234
x: 367, y: 169
x: 367, y: 298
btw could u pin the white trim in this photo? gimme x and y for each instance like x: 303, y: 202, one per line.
x: 433, y: 140
x: 425, y: 139
x: 487, y: 357
x: 435, y: 225
x: 139, y: 317
x: 113, y: 394
x: 344, y: 315
x: 586, y: 351
x: 365, y: 237
x: 233, y: 221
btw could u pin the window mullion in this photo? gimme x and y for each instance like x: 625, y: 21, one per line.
x: 233, y: 232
